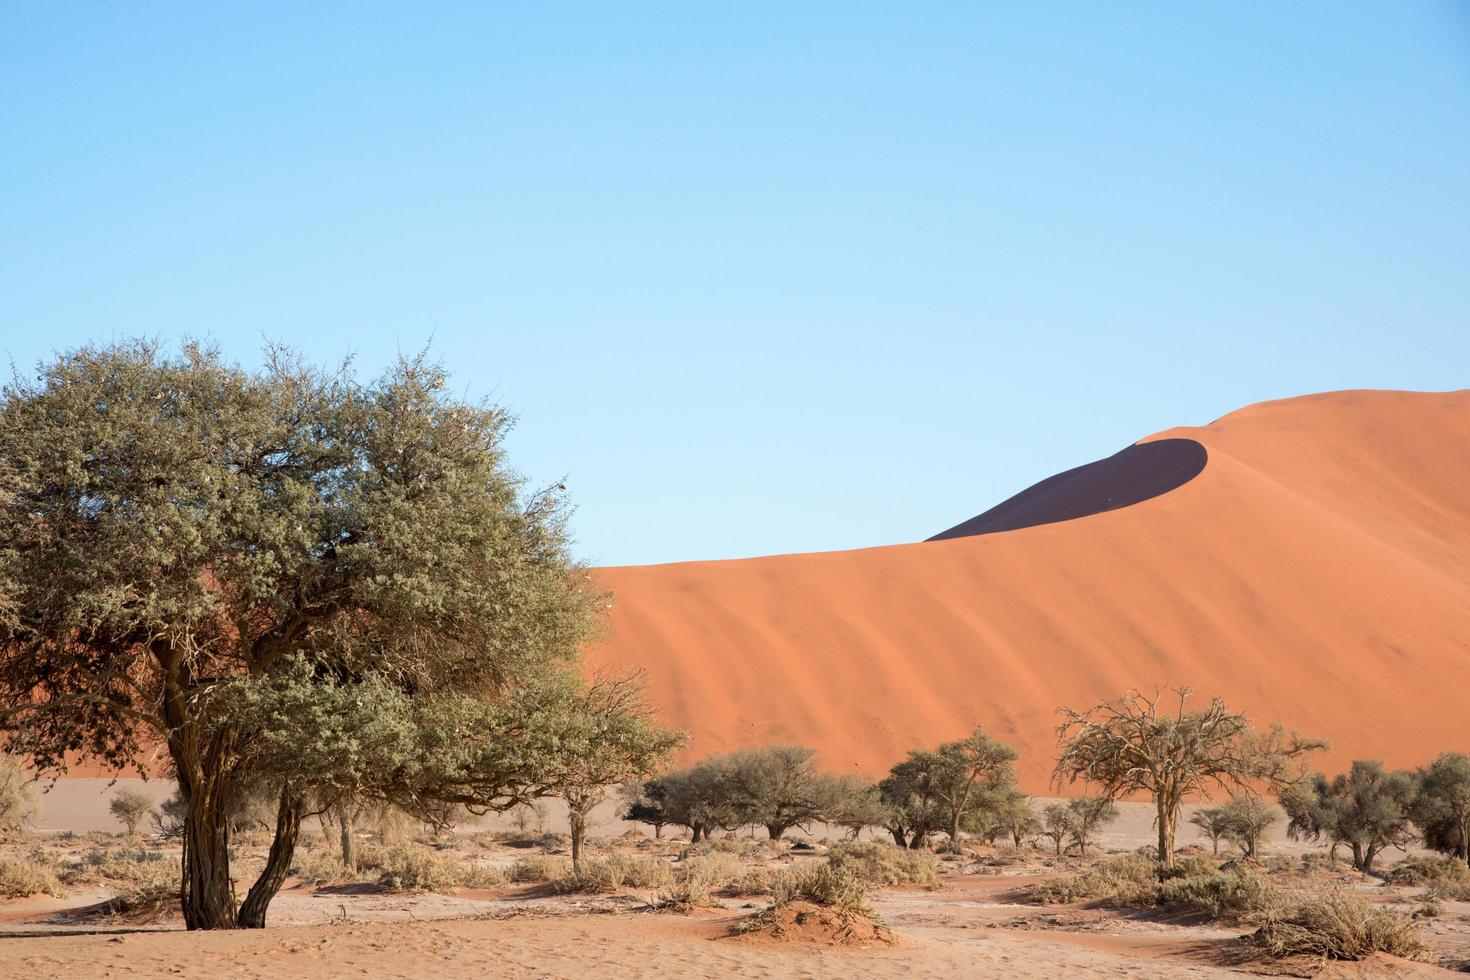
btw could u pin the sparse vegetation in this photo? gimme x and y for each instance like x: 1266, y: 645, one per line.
x: 130, y: 806
x: 880, y: 864
x: 1138, y: 744
x: 1441, y: 806
x: 1337, y: 925
x: 1366, y: 808
x: 413, y: 868
x: 614, y: 872
x: 21, y: 877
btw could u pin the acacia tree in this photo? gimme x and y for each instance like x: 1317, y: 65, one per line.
x: 778, y: 787
x: 1367, y: 808
x: 130, y: 806
x: 1088, y: 814
x: 1247, y: 819
x: 1057, y: 823
x: 604, y: 736
x: 857, y: 805
x: 1214, y: 822
x: 914, y: 811
x: 182, y: 539
x: 1442, y: 805
x: 1136, y: 744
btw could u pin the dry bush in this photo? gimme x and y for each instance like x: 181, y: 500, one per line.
x: 1194, y: 886
x: 824, y: 884
x: 1441, y: 871
x: 113, y: 865
x: 833, y: 902
x: 753, y: 881
x: 1336, y: 925
x: 144, y: 887
x: 320, y: 867
x: 878, y: 863
x: 18, y: 805
x: 608, y: 874
x: 697, y: 878
x: 20, y: 877
x: 412, y: 868
x: 540, y: 868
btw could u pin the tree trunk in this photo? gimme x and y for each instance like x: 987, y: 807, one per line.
x: 1368, y: 857
x: 349, y: 842
x: 658, y: 831
x: 1059, y: 845
x: 1357, y: 856
x: 899, y: 838
x: 278, y: 863
x: 578, y: 822
x: 775, y: 830
x: 696, y: 831
x: 1215, y: 846
x: 206, y: 894
x: 954, y: 826
x: 1166, y: 835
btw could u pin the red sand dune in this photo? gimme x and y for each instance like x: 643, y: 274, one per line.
x: 1316, y: 571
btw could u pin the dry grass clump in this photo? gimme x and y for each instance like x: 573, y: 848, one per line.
x: 1193, y: 887
x: 412, y: 868
x: 150, y: 888
x: 1336, y: 925
x: 611, y: 873
x: 754, y: 881
x: 880, y: 864
x: 22, y: 877
x: 321, y: 868
x: 698, y: 877
x: 1433, y: 871
x: 822, y: 903
x: 539, y: 868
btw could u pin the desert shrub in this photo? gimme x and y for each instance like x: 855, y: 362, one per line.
x: 1222, y: 894
x: 1105, y: 879
x: 1337, y: 925
x: 409, y: 868
x: 539, y: 868
x: 113, y: 865
x: 130, y: 807
x: 697, y: 878
x: 879, y: 863
x: 17, y: 796
x: 320, y: 868
x: 1429, y: 871
x: 144, y: 886
x: 20, y: 877
x: 824, y: 884
x: 753, y: 881
x: 608, y: 874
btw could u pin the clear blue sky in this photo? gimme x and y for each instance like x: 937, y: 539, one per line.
x: 760, y: 277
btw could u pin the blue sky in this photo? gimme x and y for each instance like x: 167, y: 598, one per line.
x: 760, y: 277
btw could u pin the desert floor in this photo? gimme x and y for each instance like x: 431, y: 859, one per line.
x: 978, y: 923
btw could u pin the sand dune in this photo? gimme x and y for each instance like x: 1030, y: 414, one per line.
x: 1315, y: 570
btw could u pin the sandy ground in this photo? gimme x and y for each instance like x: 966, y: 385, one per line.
x: 1317, y: 573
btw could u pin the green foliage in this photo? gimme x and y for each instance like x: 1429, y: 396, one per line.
x: 130, y: 806
x: 1192, y: 887
x: 1441, y: 806
x: 1366, y: 808
x: 1247, y: 819
x: 1089, y: 814
x: 183, y: 540
x: 1214, y: 821
x: 1058, y: 821
x: 1337, y: 926
x: 939, y: 790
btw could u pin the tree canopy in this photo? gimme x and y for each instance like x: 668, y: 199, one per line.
x: 188, y: 548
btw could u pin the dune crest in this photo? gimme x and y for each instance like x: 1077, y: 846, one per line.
x: 1314, y: 570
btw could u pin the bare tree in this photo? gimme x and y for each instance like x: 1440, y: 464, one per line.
x: 1137, y: 744
x: 1057, y: 823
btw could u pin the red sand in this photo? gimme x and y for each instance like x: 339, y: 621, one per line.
x: 1316, y: 572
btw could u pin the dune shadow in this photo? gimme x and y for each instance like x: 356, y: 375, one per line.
x: 1141, y: 472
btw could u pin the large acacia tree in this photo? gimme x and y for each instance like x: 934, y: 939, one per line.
x: 1153, y: 744
x: 281, y: 577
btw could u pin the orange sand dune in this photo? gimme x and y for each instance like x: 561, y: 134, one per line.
x: 1315, y: 571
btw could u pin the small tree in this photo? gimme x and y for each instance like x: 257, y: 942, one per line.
x: 700, y: 798
x: 1011, y: 813
x: 1247, y: 819
x: 857, y: 805
x: 1366, y: 808
x: 1214, y: 823
x: 130, y: 806
x: 914, y: 812
x: 779, y: 788
x: 646, y: 802
x: 603, y: 735
x: 1442, y: 805
x: 1136, y: 744
x: 1088, y: 814
x: 967, y: 768
x: 17, y: 796
x: 1058, y: 821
